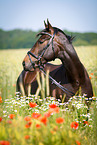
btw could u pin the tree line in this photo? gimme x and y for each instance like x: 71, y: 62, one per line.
x: 26, y: 38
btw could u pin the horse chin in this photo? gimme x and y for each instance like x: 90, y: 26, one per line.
x: 30, y: 69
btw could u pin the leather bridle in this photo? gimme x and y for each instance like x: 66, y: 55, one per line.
x: 41, y: 65
x: 38, y: 58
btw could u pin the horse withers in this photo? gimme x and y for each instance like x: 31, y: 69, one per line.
x: 54, y: 43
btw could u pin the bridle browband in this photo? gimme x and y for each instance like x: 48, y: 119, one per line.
x: 41, y: 66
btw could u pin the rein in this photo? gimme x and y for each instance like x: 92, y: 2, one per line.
x: 41, y: 66
x: 57, y: 84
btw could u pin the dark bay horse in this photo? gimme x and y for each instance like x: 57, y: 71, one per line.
x: 54, y: 43
x: 26, y: 82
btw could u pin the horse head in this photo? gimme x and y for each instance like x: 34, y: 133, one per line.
x: 47, y: 47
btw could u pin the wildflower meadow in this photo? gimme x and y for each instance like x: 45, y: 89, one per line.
x: 43, y: 120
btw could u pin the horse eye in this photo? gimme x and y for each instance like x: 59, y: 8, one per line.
x: 42, y: 41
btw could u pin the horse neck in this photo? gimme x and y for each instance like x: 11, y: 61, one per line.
x: 71, y: 62
x: 75, y: 70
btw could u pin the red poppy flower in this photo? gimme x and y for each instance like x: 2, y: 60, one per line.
x: 59, y: 120
x: 28, y: 125
x: 0, y: 119
x: 4, y: 142
x: 36, y: 115
x: 55, y: 128
x: 11, y: 116
x: 52, y: 132
x: 9, y: 121
x: 32, y: 104
x: 51, y: 110
x: 92, y: 74
x: 90, y: 77
x: 14, y: 85
x: 52, y: 105
x: 30, y: 122
x: 43, y: 120
x: 86, y: 122
x: 56, y: 110
x: 47, y: 114
x: 1, y: 100
x: 27, y: 136
x: 74, y: 125
x: 78, y: 143
x: 27, y: 118
x: 38, y: 126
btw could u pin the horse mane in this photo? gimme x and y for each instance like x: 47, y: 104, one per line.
x: 70, y: 38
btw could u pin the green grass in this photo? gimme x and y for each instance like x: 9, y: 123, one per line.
x: 50, y: 132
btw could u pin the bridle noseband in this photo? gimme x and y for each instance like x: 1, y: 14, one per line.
x: 39, y: 62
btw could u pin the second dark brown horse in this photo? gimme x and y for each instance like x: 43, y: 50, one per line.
x: 27, y: 83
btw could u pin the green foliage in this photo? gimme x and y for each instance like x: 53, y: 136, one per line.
x: 17, y: 39
x: 26, y: 38
x: 95, y: 123
x: 83, y: 38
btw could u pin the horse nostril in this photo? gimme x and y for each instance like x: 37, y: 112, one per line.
x: 23, y: 63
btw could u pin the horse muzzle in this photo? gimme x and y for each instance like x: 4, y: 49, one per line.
x: 27, y: 66
x: 30, y: 67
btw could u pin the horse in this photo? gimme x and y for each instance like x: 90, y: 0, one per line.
x: 27, y: 82
x: 54, y: 43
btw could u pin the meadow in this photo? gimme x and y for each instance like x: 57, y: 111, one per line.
x: 32, y: 120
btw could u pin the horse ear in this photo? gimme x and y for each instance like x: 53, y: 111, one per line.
x: 72, y: 38
x: 50, y: 28
x: 46, y: 26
